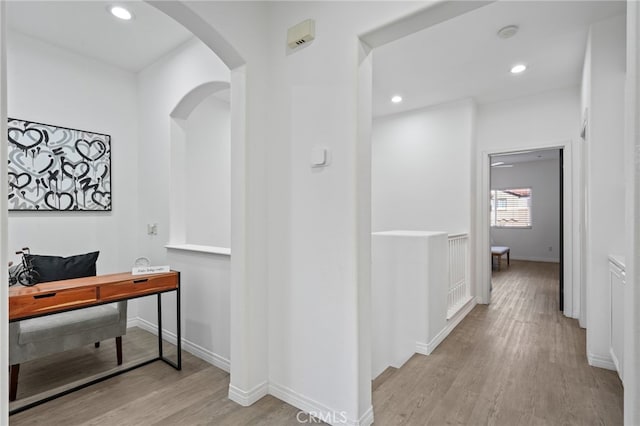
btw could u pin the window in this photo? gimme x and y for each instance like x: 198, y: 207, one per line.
x: 511, y: 208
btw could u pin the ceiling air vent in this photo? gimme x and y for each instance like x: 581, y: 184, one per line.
x: 301, y: 34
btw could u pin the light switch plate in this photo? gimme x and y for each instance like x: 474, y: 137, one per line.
x: 319, y: 156
x: 152, y: 229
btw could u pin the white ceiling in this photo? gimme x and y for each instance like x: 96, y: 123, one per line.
x: 463, y: 57
x: 87, y: 28
x: 456, y: 59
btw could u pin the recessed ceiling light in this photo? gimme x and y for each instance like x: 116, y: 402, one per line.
x: 396, y: 99
x: 121, y: 13
x: 517, y: 69
x: 508, y: 31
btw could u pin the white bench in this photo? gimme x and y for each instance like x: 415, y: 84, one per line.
x: 499, y: 251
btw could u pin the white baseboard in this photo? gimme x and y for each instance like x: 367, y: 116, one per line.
x: 575, y: 314
x: 367, y: 418
x: 194, y: 349
x: 135, y: 322
x: 616, y: 363
x: 427, y: 348
x: 453, y: 312
x: 316, y: 409
x: 246, y: 398
x: 600, y: 361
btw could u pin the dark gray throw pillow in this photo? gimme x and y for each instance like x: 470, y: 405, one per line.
x: 56, y: 268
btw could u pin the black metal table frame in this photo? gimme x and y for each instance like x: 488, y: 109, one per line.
x: 177, y: 365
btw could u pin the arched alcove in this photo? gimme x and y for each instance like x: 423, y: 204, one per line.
x: 200, y: 170
x: 195, y: 96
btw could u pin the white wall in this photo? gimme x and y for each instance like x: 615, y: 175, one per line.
x: 632, y: 178
x: 421, y: 169
x: 315, y: 358
x: 204, y: 296
x: 54, y: 86
x: 520, y: 123
x: 205, y: 277
x: 543, y: 177
x: 208, y: 173
x: 581, y: 158
x: 603, y: 95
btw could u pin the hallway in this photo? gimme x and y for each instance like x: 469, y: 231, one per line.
x: 518, y: 361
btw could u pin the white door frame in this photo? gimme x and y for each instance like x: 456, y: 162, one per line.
x: 4, y: 289
x: 571, y: 218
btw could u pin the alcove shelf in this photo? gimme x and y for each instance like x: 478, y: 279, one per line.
x: 200, y: 249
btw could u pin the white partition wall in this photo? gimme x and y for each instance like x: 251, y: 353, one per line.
x: 409, y: 287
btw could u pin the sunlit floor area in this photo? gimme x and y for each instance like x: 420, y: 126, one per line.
x: 518, y: 361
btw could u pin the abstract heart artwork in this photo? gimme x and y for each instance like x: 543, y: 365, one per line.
x: 57, y: 168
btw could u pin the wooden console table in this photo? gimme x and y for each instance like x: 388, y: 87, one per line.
x: 61, y: 296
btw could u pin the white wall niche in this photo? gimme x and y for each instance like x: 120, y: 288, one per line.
x: 200, y: 216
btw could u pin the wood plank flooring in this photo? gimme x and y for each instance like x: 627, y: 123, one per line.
x: 518, y: 361
x: 152, y: 395
x: 515, y: 362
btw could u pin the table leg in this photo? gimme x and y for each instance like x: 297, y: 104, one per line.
x: 14, y: 370
x: 178, y: 327
x: 178, y: 364
x: 160, y: 325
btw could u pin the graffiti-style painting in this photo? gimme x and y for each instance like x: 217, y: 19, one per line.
x: 57, y: 168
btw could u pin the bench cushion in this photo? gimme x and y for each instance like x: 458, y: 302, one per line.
x: 67, y: 323
x: 499, y: 250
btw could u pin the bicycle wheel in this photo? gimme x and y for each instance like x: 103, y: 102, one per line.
x: 28, y: 277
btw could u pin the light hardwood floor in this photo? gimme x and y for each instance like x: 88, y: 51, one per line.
x: 518, y: 361
x: 152, y: 395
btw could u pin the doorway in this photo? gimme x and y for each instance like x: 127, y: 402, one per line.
x: 526, y: 210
